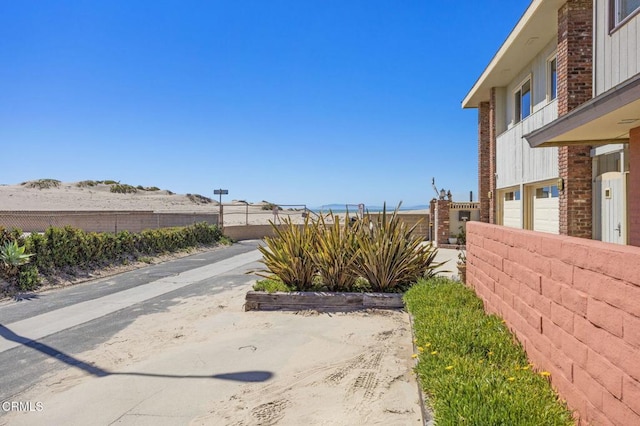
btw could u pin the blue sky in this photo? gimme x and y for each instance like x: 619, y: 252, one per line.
x: 295, y: 102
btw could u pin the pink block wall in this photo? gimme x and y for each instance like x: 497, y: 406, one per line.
x: 633, y: 197
x: 574, y: 304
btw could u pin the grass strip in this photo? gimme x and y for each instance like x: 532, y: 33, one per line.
x: 471, y: 367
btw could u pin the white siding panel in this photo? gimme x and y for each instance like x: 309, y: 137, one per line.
x: 616, y: 55
x: 614, y: 65
x: 633, y: 43
x: 518, y: 163
x: 600, y: 22
x: 509, y: 158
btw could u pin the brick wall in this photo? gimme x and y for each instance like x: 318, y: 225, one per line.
x: 633, y: 197
x: 574, y: 304
x: 101, y: 221
x: 575, y: 86
x: 484, y: 161
x: 442, y: 222
x: 492, y: 155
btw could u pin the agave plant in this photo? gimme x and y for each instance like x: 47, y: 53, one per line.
x: 390, y: 256
x: 288, y: 254
x: 13, y: 256
x: 335, y: 254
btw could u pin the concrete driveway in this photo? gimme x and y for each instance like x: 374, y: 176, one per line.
x: 189, y: 354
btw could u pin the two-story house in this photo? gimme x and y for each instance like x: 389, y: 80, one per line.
x: 559, y: 122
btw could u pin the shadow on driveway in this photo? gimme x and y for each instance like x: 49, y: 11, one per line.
x: 240, y: 376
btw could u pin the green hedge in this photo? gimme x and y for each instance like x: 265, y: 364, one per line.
x: 60, y: 249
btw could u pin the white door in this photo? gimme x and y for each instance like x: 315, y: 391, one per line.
x: 610, y: 194
x: 546, y: 209
x: 511, y: 208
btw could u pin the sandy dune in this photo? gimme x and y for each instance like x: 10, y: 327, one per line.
x: 70, y: 196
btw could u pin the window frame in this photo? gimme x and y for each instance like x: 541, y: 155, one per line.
x: 517, y: 100
x: 551, y: 96
x: 548, y: 191
x: 614, y: 23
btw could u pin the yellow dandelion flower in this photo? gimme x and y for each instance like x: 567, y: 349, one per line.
x: 449, y: 367
x: 545, y: 373
x: 427, y: 345
x: 434, y: 352
x: 517, y: 367
x: 526, y: 367
x: 420, y: 348
x: 490, y: 353
x: 481, y: 361
x: 414, y: 356
x: 511, y: 379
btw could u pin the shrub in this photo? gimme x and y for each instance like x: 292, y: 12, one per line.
x: 270, y: 206
x: 29, y: 278
x: 86, y: 183
x: 12, y: 257
x: 378, y: 254
x: 123, y: 188
x: 37, y: 244
x: 67, y: 248
x: 335, y: 255
x: 271, y: 285
x: 199, y: 199
x: 288, y: 254
x: 42, y: 183
x: 389, y: 255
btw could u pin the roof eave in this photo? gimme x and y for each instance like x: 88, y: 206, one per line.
x: 604, y: 119
x: 516, y: 49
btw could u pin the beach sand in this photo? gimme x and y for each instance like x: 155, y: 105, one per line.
x: 69, y: 196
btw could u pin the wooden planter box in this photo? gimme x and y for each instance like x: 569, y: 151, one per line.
x: 321, y: 301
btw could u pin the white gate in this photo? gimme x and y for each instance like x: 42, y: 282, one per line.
x: 610, y: 205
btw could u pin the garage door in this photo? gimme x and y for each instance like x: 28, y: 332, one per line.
x: 546, y: 209
x: 511, y: 209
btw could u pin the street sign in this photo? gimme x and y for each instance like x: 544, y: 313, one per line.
x: 220, y: 191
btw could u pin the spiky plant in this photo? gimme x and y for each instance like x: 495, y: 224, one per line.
x: 335, y: 254
x: 390, y: 256
x: 13, y: 256
x: 288, y: 254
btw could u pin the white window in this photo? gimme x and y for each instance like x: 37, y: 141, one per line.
x: 622, y: 9
x: 547, y: 192
x: 523, y: 102
x: 512, y: 195
x: 552, y: 79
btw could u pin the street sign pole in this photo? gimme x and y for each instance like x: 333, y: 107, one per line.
x: 221, y: 192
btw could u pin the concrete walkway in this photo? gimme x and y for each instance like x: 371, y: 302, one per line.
x: 195, y: 357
